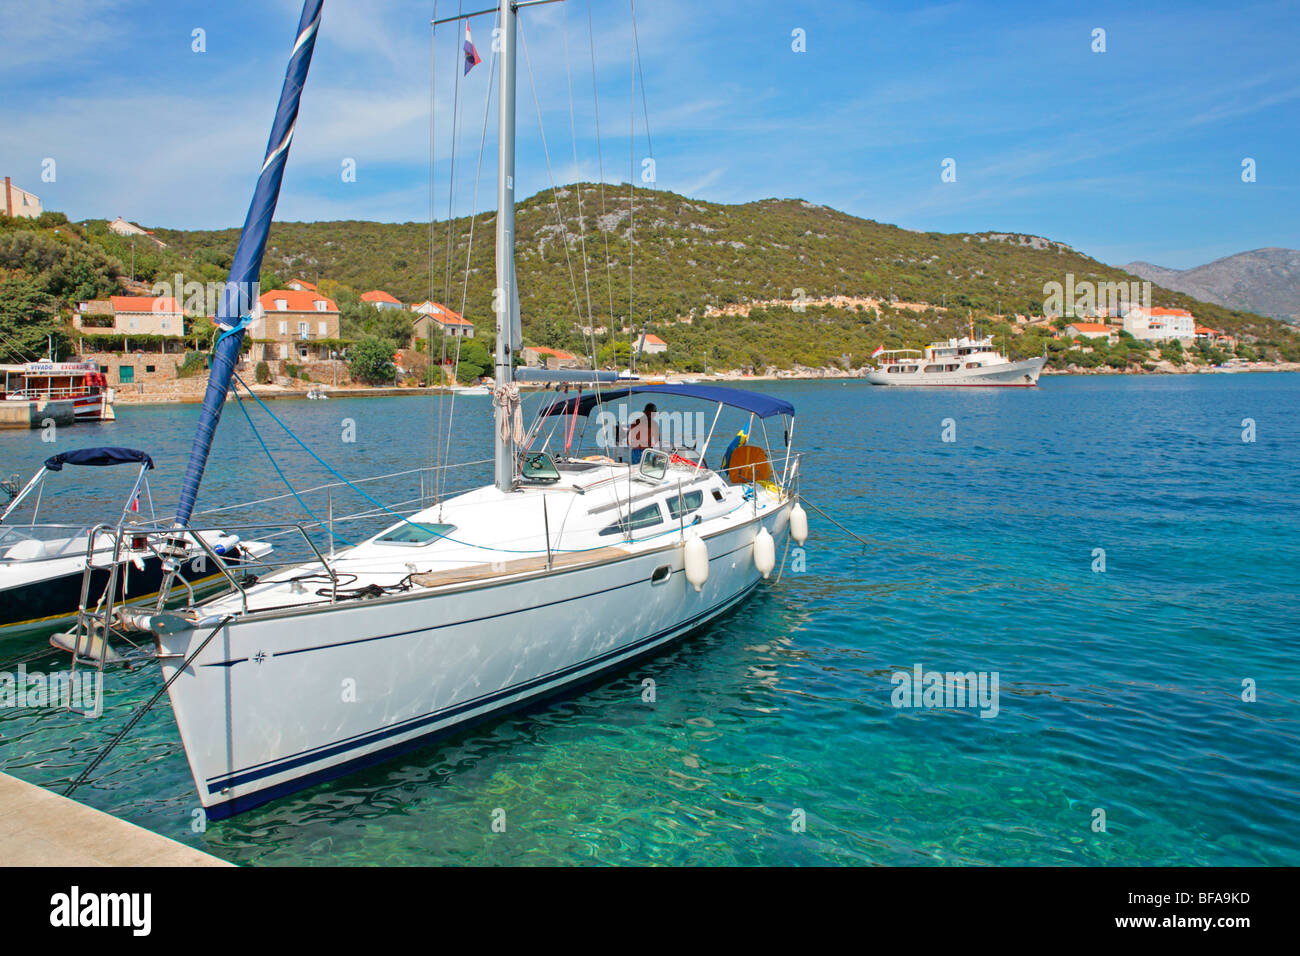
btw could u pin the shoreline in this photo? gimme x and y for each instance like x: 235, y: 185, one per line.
x: 278, y: 393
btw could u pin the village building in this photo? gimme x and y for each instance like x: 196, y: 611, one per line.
x: 131, y: 314
x: 653, y: 344
x: 540, y: 355
x: 19, y: 202
x: 289, y: 324
x: 301, y: 285
x: 434, y: 315
x: 1215, y: 337
x: 1160, y: 324
x: 124, y: 228
x: 381, y: 299
x: 1087, y: 330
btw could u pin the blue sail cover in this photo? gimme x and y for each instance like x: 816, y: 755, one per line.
x: 764, y: 406
x: 97, y: 457
x: 237, y: 299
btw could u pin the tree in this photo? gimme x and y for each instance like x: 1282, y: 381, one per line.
x: 29, y: 319
x: 475, y: 361
x: 372, y: 361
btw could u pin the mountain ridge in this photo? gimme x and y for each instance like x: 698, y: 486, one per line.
x: 1265, y: 281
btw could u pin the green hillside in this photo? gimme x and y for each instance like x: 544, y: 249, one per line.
x: 686, y: 255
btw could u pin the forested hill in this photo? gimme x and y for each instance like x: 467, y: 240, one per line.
x: 684, y: 256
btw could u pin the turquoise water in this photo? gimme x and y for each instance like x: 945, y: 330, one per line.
x: 1119, y: 690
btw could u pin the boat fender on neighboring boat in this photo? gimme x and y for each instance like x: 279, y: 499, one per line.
x: 764, y: 552
x: 798, y: 524
x: 697, y: 561
x: 87, y: 646
x: 225, y: 544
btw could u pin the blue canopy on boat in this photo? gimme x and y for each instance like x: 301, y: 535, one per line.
x: 764, y: 406
x: 108, y: 455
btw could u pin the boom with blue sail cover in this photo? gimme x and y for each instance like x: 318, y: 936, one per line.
x: 237, y: 300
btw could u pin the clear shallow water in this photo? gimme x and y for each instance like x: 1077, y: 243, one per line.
x: 1119, y: 690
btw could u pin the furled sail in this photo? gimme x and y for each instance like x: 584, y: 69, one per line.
x: 238, y: 299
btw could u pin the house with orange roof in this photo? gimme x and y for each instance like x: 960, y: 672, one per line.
x: 138, y: 314
x: 1087, y: 330
x: 381, y: 299
x: 1215, y: 337
x: 290, y: 324
x: 302, y: 285
x: 652, y: 344
x: 434, y: 315
x: 1159, y: 324
x: 541, y: 355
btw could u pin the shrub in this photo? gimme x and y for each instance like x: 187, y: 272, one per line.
x: 262, y: 374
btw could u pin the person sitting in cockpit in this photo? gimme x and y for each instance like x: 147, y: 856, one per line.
x: 643, y: 433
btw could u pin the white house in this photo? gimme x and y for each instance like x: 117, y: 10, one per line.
x: 1087, y: 330
x: 1160, y: 324
x: 124, y: 228
x: 381, y: 299
x: 19, y: 202
x: 652, y: 344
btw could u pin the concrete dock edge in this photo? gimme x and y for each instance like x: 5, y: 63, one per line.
x: 42, y: 828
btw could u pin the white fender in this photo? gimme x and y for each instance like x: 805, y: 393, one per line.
x: 764, y: 552
x: 697, y: 560
x: 798, y: 524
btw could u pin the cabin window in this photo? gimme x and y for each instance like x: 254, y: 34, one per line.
x: 892, y: 370
x: 411, y: 532
x: 654, y: 464
x: 934, y: 368
x: 688, y: 502
x: 646, y: 517
x: 972, y: 364
x: 539, y: 466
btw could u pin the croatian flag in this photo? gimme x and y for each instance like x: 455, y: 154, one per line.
x: 135, y: 503
x: 880, y: 350
x: 472, y: 59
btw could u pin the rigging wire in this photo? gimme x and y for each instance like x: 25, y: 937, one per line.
x: 600, y: 161
x: 555, y: 192
x: 469, y: 251
x: 589, y: 331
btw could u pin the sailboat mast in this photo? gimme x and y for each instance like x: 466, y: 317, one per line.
x: 506, y: 300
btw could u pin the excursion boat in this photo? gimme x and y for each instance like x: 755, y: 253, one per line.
x: 570, y: 563
x: 50, y: 571
x: 81, y: 383
x: 965, y: 361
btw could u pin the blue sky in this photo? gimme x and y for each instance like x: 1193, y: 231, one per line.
x: 1134, y: 153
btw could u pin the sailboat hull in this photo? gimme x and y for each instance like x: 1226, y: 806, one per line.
x: 273, y: 705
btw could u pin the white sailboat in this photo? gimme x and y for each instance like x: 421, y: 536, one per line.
x: 566, y: 566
